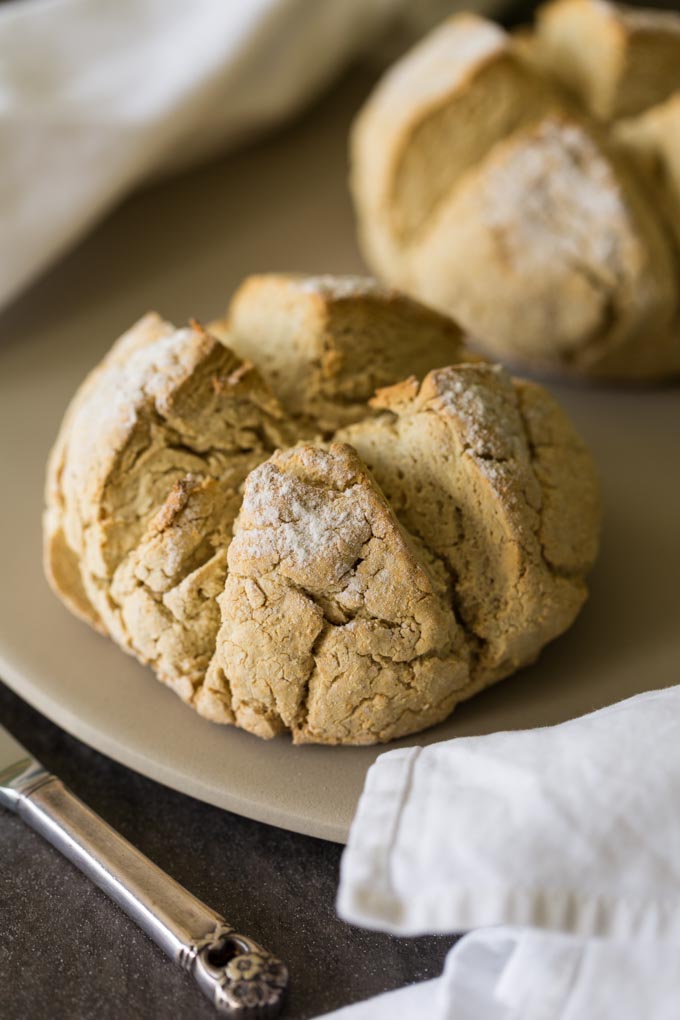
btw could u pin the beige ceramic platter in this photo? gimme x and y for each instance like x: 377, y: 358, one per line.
x: 181, y: 247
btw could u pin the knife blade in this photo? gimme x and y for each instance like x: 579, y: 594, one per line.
x: 240, y: 977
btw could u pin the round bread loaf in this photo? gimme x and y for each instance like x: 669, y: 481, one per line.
x: 492, y: 181
x: 348, y: 588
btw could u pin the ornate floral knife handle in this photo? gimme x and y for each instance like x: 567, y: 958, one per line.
x: 240, y: 977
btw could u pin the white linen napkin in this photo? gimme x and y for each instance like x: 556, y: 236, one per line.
x: 96, y: 95
x: 560, y: 845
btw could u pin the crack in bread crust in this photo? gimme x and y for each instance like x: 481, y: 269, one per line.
x: 170, y: 421
x: 327, y: 608
x: 461, y: 474
x: 348, y: 593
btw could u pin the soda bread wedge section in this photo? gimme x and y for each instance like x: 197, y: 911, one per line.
x: 619, y: 60
x: 130, y: 512
x: 333, y: 625
x: 326, y: 343
x: 550, y: 253
x: 488, y: 473
x: 652, y: 140
x: 430, y: 120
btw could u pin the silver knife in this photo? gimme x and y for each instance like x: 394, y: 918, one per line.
x: 240, y: 977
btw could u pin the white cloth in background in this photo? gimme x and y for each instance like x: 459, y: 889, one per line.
x: 559, y: 847
x: 97, y: 95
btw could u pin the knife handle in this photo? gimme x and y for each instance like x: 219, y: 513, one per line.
x: 240, y: 977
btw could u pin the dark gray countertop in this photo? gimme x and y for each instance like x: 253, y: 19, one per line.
x: 67, y: 952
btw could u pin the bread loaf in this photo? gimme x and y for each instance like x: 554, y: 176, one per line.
x: 347, y: 591
x: 495, y: 192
